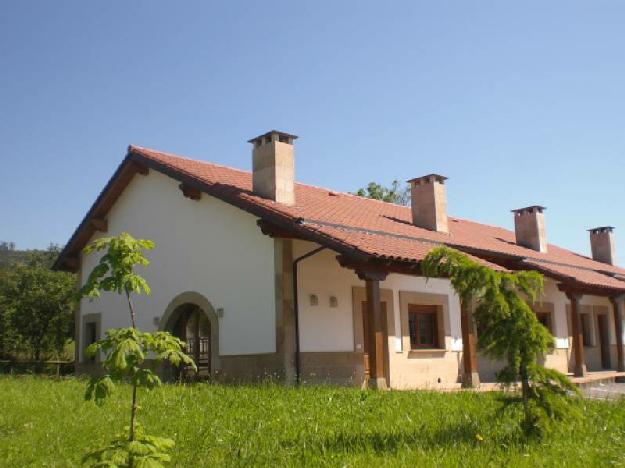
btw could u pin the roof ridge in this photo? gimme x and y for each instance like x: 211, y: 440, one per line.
x: 481, y: 223
x: 143, y: 149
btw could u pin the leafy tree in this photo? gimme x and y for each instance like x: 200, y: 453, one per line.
x: 6, y: 251
x: 125, y: 351
x: 36, y: 323
x: 396, y: 193
x: 509, y: 330
x: 42, y: 258
x: 10, y: 256
x: 37, y: 308
x: 9, y: 338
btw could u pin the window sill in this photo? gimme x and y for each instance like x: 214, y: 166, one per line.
x: 420, y: 352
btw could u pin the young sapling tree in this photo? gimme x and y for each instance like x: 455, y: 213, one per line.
x: 125, y: 351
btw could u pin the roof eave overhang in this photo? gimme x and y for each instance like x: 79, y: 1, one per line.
x: 349, y: 255
x: 68, y: 259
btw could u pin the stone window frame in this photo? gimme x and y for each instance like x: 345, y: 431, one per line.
x: 547, y: 308
x: 193, y: 297
x: 88, y: 319
x: 441, y: 301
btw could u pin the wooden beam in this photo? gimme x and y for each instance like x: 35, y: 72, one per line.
x: 120, y: 180
x: 72, y: 263
x: 572, y: 287
x: 99, y: 224
x: 471, y: 377
x: 140, y: 168
x: 617, y: 308
x: 383, y: 267
x: 272, y: 230
x: 190, y: 192
x: 578, y: 337
x: 376, y: 336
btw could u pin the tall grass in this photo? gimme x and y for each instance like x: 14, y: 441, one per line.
x: 45, y: 422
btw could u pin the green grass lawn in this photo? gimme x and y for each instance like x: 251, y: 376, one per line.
x: 45, y: 422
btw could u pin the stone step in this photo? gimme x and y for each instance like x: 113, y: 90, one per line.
x: 598, y: 378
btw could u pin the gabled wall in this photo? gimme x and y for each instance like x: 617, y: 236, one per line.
x: 206, y: 246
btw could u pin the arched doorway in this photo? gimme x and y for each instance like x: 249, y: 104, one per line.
x: 192, y: 318
x: 193, y: 327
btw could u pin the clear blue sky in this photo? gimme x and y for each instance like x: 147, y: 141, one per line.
x: 517, y: 104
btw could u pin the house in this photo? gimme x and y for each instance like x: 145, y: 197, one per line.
x: 263, y: 276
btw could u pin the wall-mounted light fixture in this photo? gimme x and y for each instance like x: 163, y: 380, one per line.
x: 334, y: 302
x: 314, y: 300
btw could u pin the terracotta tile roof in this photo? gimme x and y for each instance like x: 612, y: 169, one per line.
x: 388, y: 247
x: 372, y: 227
x: 581, y: 275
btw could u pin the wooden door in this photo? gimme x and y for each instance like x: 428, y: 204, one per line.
x: 604, y: 341
x: 367, y: 325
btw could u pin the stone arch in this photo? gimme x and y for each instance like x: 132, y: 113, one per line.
x: 170, y: 317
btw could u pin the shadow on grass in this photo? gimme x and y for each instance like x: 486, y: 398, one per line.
x: 392, y: 441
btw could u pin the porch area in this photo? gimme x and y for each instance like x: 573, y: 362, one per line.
x: 397, y: 330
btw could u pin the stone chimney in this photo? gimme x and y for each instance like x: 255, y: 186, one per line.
x: 274, y: 167
x: 529, y: 226
x: 602, y: 244
x: 428, y: 200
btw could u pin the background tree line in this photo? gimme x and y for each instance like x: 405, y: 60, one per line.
x: 396, y: 193
x: 36, y: 305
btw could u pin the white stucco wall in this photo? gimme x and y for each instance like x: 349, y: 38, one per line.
x: 325, y: 328
x: 206, y: 246
x: 560, y: 324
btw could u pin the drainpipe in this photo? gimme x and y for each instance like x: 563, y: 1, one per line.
x: 298, y: 366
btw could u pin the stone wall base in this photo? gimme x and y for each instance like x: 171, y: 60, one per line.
x: 333, y: 368
x: 250, y: 368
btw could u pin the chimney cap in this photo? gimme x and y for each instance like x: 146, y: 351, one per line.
x: 601, y: 229
x: 529, y: 209
x: 281, y: 135
x: 428, y: 178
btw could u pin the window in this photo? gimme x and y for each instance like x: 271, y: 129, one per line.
x: 91, y: 334
x: 423, y: 326
x: 545, y: 319
x: 587, y: 329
